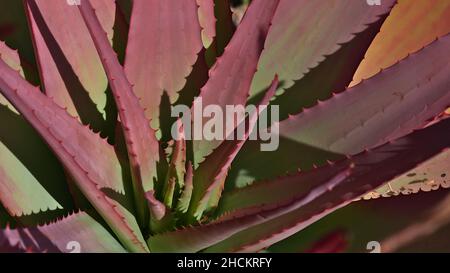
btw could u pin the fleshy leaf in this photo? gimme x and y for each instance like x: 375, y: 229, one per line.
x: 239, y: 60
x: 370, y: 169
x: 11, y: 57
x: 21, y: 192
x: 391, y: 104
x: 387, y: 106
x: 90, y: 160
x: 207, y: 21
x: 141, y: 142
x: 71, y: 72
x: 78, y: 233
x: 200, y: 237
x: 410, y: 26
x: 210, y: 176
x: 304, y: 31
x: 168, y: 57
x: 431, y: 175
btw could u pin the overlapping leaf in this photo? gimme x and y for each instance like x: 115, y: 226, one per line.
x: 239, y: 60
x: 88, y: 158
x: 70, y: 68
x: 77, y: 233
x: 141, y: 142
x: 168, y: 56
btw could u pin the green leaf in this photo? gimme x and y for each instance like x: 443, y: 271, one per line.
x: 369, y: 170
x: 90, y: 160
x: 77, y: 232
x: 71, y: 72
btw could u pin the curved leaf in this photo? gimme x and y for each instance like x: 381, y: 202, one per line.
x: 239, y: 60
x: 370, y: 169
x: 207, y: 21
x: 168, y: 57
x: 77, y: 232
x: 90, y: 160
x: 303, y: 32
x: 210, y: 176
x: 141, y: 142
x: 410, y: 26
x: 387, y: 106
x: 70, y: 68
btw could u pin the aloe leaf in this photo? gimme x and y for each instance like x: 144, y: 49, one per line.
x: 168, y: 57
x: 20, y: 192
x: 75, y: 233
x: 239, y: 60
x: 400, y: 35
x: 300, y: 37
x: 369, y: 170
x: 26, y: 186
x: 90, y: 160
x: 10, y: 57
x: 358, y: 219
x: 391, y: 104
x: 142, y: 145
x: 387, y: 106
x: 207, y: 21
x: 432, y: 174
x: 71, y: 72
x: 339, y: 68
x: 200, y: 237
x: 210, y: 176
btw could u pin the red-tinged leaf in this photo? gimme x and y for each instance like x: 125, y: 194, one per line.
x: 207, y: 21
x: 70, y: 68
x: 141, y: 142
x: 200, y: 237
x: 339, y: 68
x: 77, y: 233
x: 304, y: 32
x: 157, y: 209
x: 239, y: 60
x: 210, y: 176
x: 168, y: 57
x: 400, y: 34
x: 369, y: 170
x: 431, y: 175
x: 26, y: 186
x: 387, y: 106
x: 11, y: 58
x: 389, y: 215
x: 88, y: 159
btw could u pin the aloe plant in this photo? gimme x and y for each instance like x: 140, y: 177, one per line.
x: 88, y: 162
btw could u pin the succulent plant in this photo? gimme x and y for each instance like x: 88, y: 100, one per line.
x: 88, y: 162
